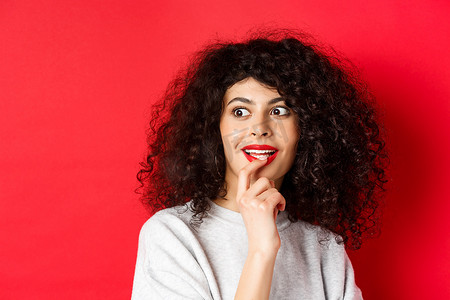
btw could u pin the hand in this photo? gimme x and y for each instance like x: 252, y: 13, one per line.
x: 259, y: 202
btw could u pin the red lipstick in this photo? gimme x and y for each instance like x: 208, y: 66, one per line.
x: 251, y: 151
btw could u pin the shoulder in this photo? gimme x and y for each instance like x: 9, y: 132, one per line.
x: 320, y: 246
x: 167, y: 236
x: 169, y: 256
x: 181, y: 212
x: 171, y: 219
x: 317, y: 237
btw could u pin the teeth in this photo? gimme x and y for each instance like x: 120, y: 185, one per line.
x: 260, y: 154
x: 259, y: 151
x: 261, y: 157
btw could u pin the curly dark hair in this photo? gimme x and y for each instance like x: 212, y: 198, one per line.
x: 339, y: 170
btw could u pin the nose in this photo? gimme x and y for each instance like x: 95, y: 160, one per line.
x: 261, y: 130
x: 257, y: 132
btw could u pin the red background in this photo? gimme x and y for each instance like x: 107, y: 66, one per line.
x: 77, y: 79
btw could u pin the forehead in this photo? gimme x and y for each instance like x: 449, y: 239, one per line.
x: 251, y: 89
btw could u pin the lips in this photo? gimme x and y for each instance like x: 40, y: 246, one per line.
x: 252, y: 152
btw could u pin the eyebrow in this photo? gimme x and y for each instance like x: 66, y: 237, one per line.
x: 248, y: 101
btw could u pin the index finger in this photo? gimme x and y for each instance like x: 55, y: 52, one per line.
x: 245, y: 174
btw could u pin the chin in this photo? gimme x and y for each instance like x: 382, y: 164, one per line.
x: 271, y: 172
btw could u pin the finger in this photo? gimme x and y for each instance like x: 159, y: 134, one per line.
x: 259, y: 186
x: 245, y: 174
x: 275, y: 214
x: 266, y: 194
x: 275, y: 201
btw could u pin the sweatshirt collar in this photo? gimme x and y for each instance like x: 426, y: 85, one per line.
x: 229, y: 216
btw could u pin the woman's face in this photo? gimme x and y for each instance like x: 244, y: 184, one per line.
x: 256, y: 123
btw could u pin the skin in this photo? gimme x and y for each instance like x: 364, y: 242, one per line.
x: 258, y: 122
x: 256, y: 114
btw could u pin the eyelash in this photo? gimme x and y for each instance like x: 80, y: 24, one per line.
x: 233, y: 112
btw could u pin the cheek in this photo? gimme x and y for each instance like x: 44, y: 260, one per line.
x: 231, y: 132
x: 231, y: 139
x: 291, y: 146
x: 291, y: 136
x: 225, y: 128
x: 231, y: 143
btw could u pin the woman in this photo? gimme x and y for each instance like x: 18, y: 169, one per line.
x: 265, y: 161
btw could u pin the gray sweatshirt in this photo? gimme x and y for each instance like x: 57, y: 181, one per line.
x: 176, y: 261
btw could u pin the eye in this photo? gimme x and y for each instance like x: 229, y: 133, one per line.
x: 280, y: 111
x: 240, y: 112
